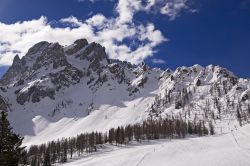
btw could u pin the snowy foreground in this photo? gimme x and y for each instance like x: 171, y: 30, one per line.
x: 232, y: 149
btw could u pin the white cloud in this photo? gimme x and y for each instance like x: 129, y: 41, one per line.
x: 158, y: 61
x: 123, y: 38
x: 151, y: 34
x: 126, y: 9
x: 97, y: 20
x: 173, y: 8
x: 71, y: 21
x: 22, y: 35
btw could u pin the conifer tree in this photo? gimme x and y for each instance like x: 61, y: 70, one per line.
x: 64, y: 151
x: 239, y: 116
x: 47, y: 161
x: 10, y: 143
x: 34, y: 161
x: 211, y: 128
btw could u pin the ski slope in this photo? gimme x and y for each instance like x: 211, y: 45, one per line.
x: 232, y: 149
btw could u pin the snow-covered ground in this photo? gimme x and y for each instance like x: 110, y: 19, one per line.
x: 232, y: 149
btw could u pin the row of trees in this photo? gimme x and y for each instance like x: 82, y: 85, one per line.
x: 61, y: 150
x: 11, y: 152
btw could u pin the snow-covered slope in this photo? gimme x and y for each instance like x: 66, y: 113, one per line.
x: 232, y: 149
x: 56, y: 91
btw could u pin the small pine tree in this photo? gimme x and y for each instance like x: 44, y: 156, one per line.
x: 239, y: 116
x: 47, y: 161
x: 211, y: 128
x: 34, y: 160
x: 24, y: 158
x: 10, y: 143
x: 190, y: 128
x: 64, y: 152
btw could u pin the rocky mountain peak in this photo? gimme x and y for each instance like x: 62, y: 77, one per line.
x: 34, y: 52
x: 94, y: 51
x: 77, y: 46
x: 54, y: 54
x: 15, y: 69
x: 80, y: 43
x: 16, y: 61
x: 38, y: 48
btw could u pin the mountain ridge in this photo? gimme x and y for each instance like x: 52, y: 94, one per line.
x: 55, y: 88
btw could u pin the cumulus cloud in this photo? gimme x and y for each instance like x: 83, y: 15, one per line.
x: 97, y: 20
x: 126, y: 9
x: 123, y: 38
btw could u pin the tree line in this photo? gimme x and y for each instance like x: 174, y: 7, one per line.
x: 59, y: 151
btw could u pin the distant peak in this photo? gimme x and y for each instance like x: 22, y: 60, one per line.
x: 198, y: 67
x: 94, y: 51
x: 76, y: 46
x: 16, y: 59
x: 39, y: 44
x: 17, y: 63
x: 144, y: 66
x: 55, y: 45
x: 82, y: 42
x: 38, y: 47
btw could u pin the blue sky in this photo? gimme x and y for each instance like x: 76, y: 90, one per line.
x: 195, y: 32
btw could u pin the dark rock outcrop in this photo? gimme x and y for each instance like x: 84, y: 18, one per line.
x: 78, y: 45
x: 13, y: 72
x: 53, y: 55
x: 3, y: 104
x: 69, y: 75
x: 35, y: 94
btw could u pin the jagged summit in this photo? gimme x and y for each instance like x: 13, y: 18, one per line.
x: 16, y: 69
x: 17, y: 61
x: 78, y: 88
x: 44, y: 55
x: 77, y: 46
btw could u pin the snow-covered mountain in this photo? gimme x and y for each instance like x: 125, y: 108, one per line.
x: 59, y: 91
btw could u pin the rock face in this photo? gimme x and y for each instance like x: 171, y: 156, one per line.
x: 56, y: 82
x: 54, y: 54
x: 14, y: 71
x: 77, y: 46
x: 3, y: 104
x: 66, y: 77
x: 35, y: 94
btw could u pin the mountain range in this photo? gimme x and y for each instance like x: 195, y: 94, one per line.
x: 57, y: 91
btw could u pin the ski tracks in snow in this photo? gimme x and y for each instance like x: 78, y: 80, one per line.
x: 243, y: 136
x: 148, y: 154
